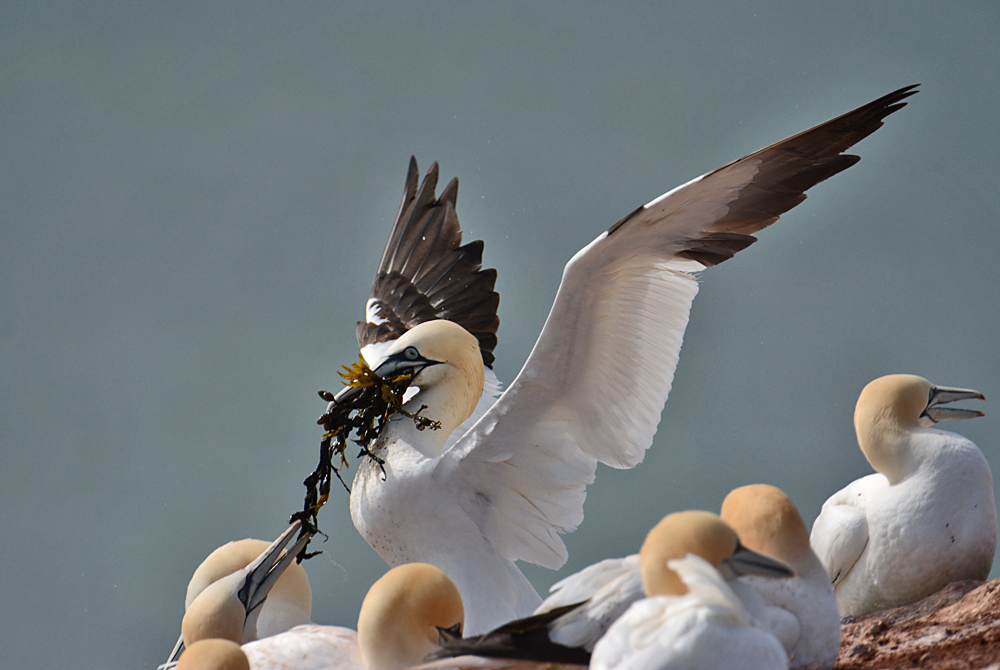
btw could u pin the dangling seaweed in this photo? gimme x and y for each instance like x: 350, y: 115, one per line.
x: 358, y: 416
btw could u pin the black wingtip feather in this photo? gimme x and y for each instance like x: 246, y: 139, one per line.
x: 426, y: 273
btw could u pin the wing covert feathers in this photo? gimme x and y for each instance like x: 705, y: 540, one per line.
x: 426, y: 273
x: 596, y: 382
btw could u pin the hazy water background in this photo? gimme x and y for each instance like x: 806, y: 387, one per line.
x: 193, y: 199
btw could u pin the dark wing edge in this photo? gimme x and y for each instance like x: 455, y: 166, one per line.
x: 525, y: 639
x: 425, y: 273
x: 785, y: 171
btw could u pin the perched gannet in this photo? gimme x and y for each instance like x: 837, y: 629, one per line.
x: 801, y: 612
x: 585, y: 605
x: 690, y: 617
x: 403, y: 618
x: 243, y: 586
x: 485, y: 491
x: 927, y: 518
x: 288, y: 604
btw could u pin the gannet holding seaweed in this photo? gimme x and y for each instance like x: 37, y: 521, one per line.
x: 802, y: 611
x: 925, y: 519
x: 474, y: 501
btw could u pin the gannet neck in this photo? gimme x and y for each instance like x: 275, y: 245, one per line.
x: 677, y: 535
x: 401, y: 616
x: 449, y: 389
x: 767, y: 521
x: 887, y: 414
x: 213, y: 654
x: 289, y: 602
x: 218, y: 613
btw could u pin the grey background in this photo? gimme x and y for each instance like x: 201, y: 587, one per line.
x: 193, y: 198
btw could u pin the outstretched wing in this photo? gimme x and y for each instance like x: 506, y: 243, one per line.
x: 595, y: 384
x: 426, y: 274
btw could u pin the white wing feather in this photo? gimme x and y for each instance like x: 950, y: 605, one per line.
x: 839, y: 537
x: 596, y: 382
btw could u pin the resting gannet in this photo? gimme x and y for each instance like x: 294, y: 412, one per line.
x: 592, y: 600
x: 802, y: 611
x: 500, y: 483
x: 403, y: 618
x: 927, y: 518
x: 690, y: 617
x: 225, y: 580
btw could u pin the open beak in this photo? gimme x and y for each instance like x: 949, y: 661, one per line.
x: 388, y: 369
x: 269, y: 566
x: 940, y: 395
x: 749, y: 562
x: 261, y: 576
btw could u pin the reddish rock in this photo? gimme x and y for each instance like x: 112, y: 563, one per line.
x: 957, y: 628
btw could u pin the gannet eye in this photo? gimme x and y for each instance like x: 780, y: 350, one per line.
x: 411, y: 353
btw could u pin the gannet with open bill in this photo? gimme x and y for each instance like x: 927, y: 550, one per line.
x: 472, y: 500
x: 404, y: 617
x: 802, y: 611
x: 926, y: 518
x: 690, y: 617
x: 225, y: 582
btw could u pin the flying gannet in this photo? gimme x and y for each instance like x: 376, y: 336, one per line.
x: 500, y: 483
x: 690, y: 617
x: 802, y: 611
x: 925, y: 519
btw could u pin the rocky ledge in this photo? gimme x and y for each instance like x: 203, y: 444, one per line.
x: 957, y: 628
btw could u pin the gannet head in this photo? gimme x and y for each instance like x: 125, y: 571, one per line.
x: 449, y: 374
x: 767, y: 521
x: 403, y: 616
x: 706, y: 535
x: 213, y: 654
x: 892, y: 407
x: 289, y: 603
x: 229, y: 607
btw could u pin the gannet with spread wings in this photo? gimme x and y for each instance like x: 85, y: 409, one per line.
x: 499, y: 482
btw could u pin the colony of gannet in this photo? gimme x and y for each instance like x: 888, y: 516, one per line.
x: 479, y: 479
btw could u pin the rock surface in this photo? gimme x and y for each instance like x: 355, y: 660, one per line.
x: 957, y: 628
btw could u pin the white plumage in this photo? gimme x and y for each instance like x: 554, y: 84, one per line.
x: 707, y: 628
x: 927, y: 518
x: 475, y: 500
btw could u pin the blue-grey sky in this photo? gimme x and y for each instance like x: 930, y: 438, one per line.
x: 193, y: 198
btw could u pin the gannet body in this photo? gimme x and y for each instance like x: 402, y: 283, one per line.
x: 503, y: 483
x: 802, y: 611
x: 707, y: 629
x: 402, y: 620
x: 567, y: 633
x: 690, y: 617
x: 927, y: 518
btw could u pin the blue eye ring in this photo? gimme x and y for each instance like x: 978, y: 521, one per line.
x: 411, y: 353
